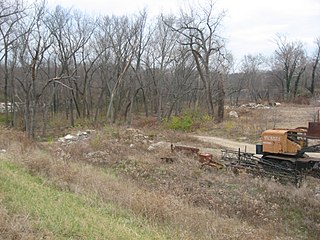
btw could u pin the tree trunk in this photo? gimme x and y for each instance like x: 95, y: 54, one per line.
x: 221, y: 95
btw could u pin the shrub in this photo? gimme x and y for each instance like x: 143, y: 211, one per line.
x: 183, y: 123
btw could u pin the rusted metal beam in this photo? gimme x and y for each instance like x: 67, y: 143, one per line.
x: 180, y: 148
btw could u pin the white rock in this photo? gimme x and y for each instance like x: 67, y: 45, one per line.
x: 151, y: 148
x: 82, y: 134
x: 260, y: 105
x: 70, y: 137
x: 233, y: 114
x: 61, y: 139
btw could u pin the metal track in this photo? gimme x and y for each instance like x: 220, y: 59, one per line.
x: 261, y: 167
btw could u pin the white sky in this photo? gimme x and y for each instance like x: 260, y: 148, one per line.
x: 250, y: 25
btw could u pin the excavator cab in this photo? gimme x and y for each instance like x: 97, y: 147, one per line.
x: 283, y: 141
x: 285, y: 149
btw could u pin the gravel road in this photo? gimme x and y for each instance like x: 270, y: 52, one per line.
x: 226, y: 143
x: 235, y: 145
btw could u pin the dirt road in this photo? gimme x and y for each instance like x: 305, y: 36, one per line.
x: 235, y: 145
x: 226, y: 143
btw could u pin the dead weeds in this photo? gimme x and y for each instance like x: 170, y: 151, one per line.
x: 117, y: 165
x: 158, y: 189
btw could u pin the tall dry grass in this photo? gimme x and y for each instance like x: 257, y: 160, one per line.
x: 181, y: 197
x: 158, y: 207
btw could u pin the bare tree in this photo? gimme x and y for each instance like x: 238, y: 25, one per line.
x: 84, y: 61
x: 199, y: 31
x: 181, y: 88
x: 124, y: 43
x: 10, y: 15
x: 315, y: 67
x: 289, y: 65
x: 158, y: 61
x: 63, y: 61
x: 252, y: 74
x: 104, y: 62
x: 9, y: 8
x: 137, y: 85
x: 33, y: 46
x: 71, y: 32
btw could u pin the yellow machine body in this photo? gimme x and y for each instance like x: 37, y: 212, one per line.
x: 283, y: 141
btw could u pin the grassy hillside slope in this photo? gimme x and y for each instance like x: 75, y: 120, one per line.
x: 37, y: 210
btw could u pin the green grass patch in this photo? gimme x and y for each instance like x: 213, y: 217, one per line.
x: 189, y: 121
x: 183, y: 123
x: 66, y: 215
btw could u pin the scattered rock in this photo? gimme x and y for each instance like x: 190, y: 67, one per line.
x: 9, y: 105
x: 151, y: 148
x: 77, y: 137
x: 260, y: 106
x: 233, y: 114
x: 133, y: 131
x: 69, y: 137
x: 255, y: 106
x: 274, y: 104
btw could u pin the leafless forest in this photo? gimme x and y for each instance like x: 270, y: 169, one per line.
x: 62, y: 62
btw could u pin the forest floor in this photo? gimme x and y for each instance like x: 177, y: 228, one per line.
x: 117, y: 183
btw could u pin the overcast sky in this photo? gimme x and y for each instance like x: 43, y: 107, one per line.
x: 250, y: 25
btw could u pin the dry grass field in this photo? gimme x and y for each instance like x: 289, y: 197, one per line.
x: 116, y: 184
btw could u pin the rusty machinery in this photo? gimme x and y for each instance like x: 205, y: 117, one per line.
x: 281, y: 154
x: 204, y: 158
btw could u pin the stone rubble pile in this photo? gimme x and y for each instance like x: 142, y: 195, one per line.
x: 70, y: 138
x: 255, y: 105
x: 234, y: 114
